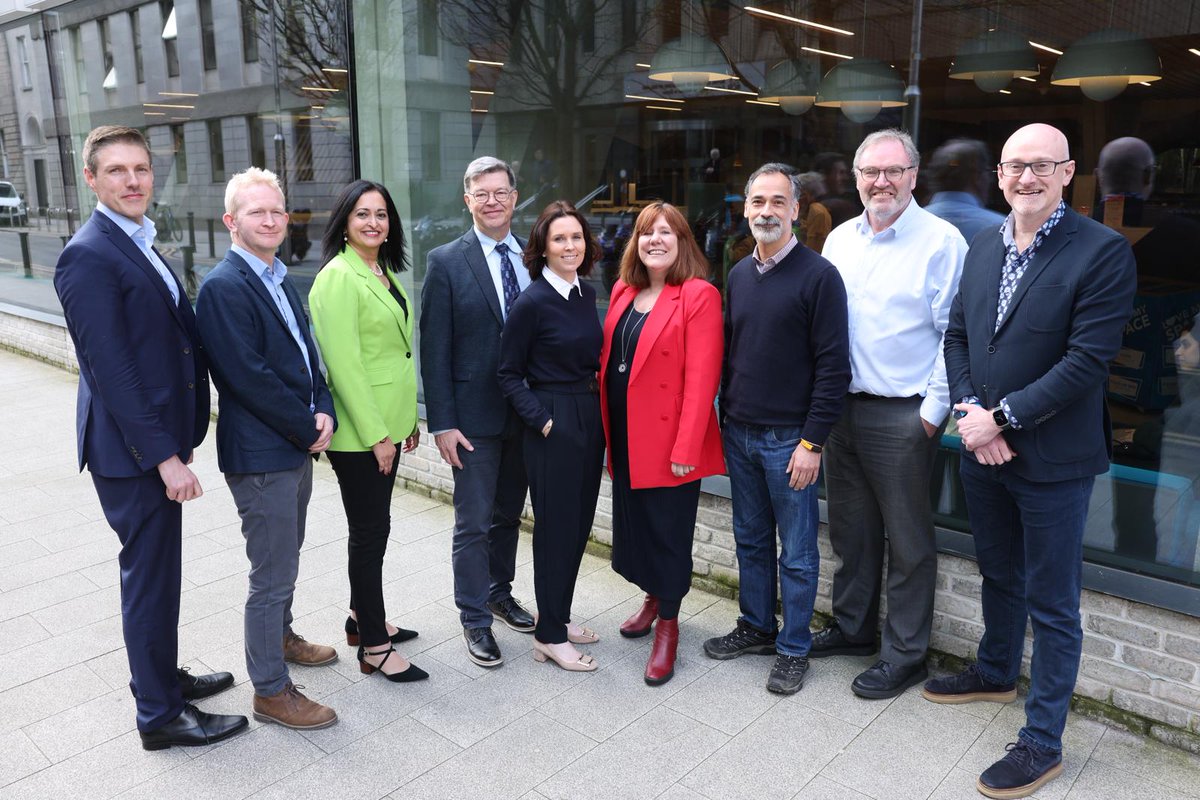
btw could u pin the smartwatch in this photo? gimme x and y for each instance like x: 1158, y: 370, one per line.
x: 1000, y: 418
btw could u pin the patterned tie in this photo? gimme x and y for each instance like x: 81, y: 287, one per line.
x: 508, y: 278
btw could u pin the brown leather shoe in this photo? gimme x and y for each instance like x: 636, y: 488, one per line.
x: 291, y: 709
x: 299, y: 651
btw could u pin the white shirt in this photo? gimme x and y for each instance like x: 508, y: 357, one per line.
x: 559, y: 285
x: 899, y: 287
x: 142, y: 233
x: 493, y: 261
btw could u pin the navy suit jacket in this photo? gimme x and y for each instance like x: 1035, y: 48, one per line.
x: 143, y: 382
x: 460, y: 324
x: 263, y: 385
x: 1050, y: 356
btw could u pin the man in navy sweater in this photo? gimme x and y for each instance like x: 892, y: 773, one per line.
x: 787, y: 366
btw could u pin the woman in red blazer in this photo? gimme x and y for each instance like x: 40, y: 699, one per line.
x: 660, y: 368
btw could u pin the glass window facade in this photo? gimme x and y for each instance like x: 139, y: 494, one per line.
x: 613, y: 103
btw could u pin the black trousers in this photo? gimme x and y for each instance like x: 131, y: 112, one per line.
x: 564, y: 481
x: 367, y: 498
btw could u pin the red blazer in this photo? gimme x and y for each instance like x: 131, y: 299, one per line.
x: 672, y: 382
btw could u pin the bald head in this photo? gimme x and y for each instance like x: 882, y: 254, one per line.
x: 1034, y: 198
x: 1126, y: 167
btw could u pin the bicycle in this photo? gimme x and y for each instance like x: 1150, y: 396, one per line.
x: 167, y: 227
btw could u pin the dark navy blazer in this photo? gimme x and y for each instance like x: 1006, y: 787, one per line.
x: 143, y: 382
x: 1050, y: 356
x: 263, y: 385
x: 461, y: 321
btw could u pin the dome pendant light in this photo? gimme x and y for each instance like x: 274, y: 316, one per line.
x: 690, y: 61
x: 861, y: 89
x: 792, y: 84
x: 993, y: 59
x: 1103, y: 63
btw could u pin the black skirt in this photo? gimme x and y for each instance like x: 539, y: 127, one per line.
x: 652, y: 528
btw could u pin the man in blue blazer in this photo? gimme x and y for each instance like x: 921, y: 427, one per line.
x: 1040, y: 312
x: 276, y: 415
x: 469, y: 285
x: 143, y: 409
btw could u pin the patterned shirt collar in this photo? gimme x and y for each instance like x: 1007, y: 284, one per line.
x: 1008, y: 232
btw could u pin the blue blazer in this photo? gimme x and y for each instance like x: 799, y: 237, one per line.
x: 143, y: 382
x: 460, y: 325
x: 1050, y: 356
x: 263, y: 384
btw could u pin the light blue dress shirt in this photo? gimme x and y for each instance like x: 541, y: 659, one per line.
x: 142, y: 233
x: 493, y: 261
x: 272, y: 276
x: 965, y: 212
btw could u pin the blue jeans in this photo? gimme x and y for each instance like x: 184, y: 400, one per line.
x: 756, y: 457
x: 1029, y: 544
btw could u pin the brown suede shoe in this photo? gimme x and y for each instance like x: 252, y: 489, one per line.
x: 299, y: 651
x: 291, y: 709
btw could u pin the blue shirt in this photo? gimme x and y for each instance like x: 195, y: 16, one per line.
x: 493, y: 261
x: 272, y: 276
x: 964, y: 211
x: 142, y: 233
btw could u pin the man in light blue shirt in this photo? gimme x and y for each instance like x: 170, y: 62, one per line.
x: 960, y: 174
x: 276, y: 416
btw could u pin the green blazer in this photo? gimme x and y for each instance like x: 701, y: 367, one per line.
x: 366, y: 342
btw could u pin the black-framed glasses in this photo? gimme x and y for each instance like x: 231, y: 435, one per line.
x: 891, y: 173
x: 501, y: 195
x: 1015, y: 169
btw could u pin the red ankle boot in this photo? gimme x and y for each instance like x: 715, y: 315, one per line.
x: 639, y: 624
x: 661, y: 665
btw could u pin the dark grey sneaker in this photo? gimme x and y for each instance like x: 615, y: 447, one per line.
x: 968, y: 686
x: 743, y: 639
x: 1025, y: 769
x: 787, y: 675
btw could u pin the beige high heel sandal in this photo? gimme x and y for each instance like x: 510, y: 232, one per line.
x: 541, y: 652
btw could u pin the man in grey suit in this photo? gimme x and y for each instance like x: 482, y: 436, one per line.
x: 470, y: 284
x: 276, y: 415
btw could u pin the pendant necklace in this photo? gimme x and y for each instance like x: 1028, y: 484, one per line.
x: 625, y: 340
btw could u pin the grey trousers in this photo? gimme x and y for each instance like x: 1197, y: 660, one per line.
x: 273, y: 507
x: 877, y: 472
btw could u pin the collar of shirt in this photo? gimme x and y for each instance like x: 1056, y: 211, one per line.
x: 133, y: 229
x: 274, y: 272
x: 898, y: 226
x: 489, y: 244
x: 764, y: 266
x: 559, y: 285
x: 1008, y: 230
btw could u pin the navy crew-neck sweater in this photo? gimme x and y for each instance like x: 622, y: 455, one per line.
x: 787, y: 345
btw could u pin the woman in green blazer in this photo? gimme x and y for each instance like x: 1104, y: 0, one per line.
x: 363, y: 322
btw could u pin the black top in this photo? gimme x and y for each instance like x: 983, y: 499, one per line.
x: 548, y: 339
x: 399, y: 298
x: 787, y: 344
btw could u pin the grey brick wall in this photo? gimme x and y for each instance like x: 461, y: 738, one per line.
x: 1136, y: 658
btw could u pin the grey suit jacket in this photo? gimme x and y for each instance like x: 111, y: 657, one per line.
x: 460, y: 325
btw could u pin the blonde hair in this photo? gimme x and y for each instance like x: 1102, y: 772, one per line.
x: 252, y: 176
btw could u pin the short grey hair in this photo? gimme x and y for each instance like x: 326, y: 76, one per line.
x: 812, y: 183
x: 895, y: 134
x: 252, y: 176
x: 776, y: 168
x: 482, y: 166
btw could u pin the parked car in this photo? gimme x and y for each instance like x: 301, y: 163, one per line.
x: 12, y: 205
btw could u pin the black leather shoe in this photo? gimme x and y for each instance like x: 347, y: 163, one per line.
x: 832, y: 642
x: 197, y: 687
x: 886, y: 679
x: 482, y: 647
x: 352, y: 639
x: 193, y: 728
x: 512, y: 615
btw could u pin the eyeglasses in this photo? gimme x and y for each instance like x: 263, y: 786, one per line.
x: 1015, y: 169
x: 501, y: 195
x: 891, y: 173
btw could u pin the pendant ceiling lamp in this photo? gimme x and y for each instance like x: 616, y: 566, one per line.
x: 993, y: 60
x: 792, y: 84
x: 1103, y: 63
x: 861, y: 88
x: 690, y: 62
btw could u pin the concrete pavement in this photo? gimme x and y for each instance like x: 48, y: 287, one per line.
x: 525, y: 730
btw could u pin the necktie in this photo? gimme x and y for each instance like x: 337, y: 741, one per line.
x: 508, y: 278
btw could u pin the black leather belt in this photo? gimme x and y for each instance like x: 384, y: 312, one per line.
x: 868, y: 396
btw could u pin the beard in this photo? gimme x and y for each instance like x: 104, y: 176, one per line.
x: 767, y: 230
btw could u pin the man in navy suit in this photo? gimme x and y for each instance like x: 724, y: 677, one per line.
x: 143, y: 409
x: 469, y: 285
x: 1040, y: 312
x: 276, y: 415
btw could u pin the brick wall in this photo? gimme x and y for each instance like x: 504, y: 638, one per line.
x: 37, y: 335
